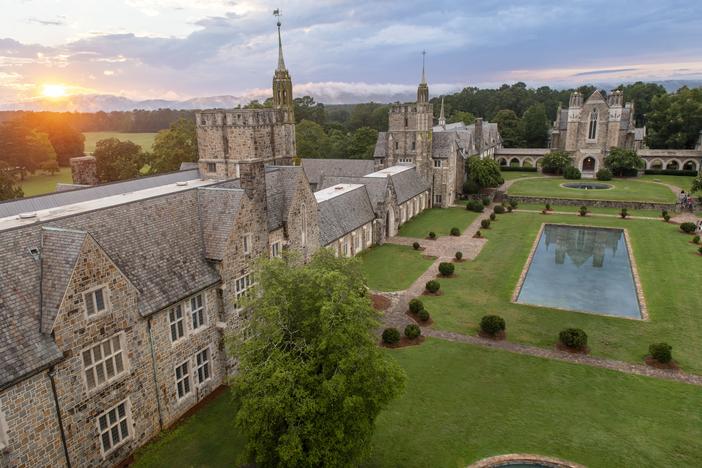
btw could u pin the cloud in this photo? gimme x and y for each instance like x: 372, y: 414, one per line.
x: 604, y: 72
x: 59, y: 21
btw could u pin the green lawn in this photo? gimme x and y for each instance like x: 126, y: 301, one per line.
x: 463, y: 403
x: 439, y: 220
x: 594, y: 210
x: 41, y: 183
x: 684, y: 182
x: 670, y: 271
x: 145, y: 140
x: 624, y: 189
x: 511, y: 175
x: 391, y: 267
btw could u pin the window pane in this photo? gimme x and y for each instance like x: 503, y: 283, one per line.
x: 186, y: 384
x: 180, y: 328
x: 99, y: 300
x: 106, y: 441
x: 97, y: 355
x: 118, y: 363
x: 106, y: 348
x: 124, y: 429
x: 90, y: 378
x: 87, y: 358
x: 89, y: 304
x: 103, y: 422
x: 121, y: 410
x: 173, y: 333
x: 110, y: 368
x: 116, y: 345
x: 112, y: 416
x: 100, y: 374
x: 115, y: 435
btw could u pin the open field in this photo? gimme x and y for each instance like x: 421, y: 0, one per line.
x: 669, y: 267
x: 145, y: 140
x: 623, y: 190
x: 439, y: 220
x: 40, y: 183
x: 511, y: 175
x: 684, y: 182
x: 464, y: 403
x: 391, y: 267
x: 592, y: 209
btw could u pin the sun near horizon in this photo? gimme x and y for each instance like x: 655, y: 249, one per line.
x: 53, y: 91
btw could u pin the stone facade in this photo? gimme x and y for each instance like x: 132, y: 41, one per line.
x: 84, y: 170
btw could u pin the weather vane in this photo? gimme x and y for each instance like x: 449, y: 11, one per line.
x: 277, y: 14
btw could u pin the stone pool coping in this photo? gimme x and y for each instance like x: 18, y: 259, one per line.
x: 525, y: 458
x: 643, y: 309
x: 608, y: 186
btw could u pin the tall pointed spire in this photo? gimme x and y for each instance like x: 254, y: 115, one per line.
x: 282, y: 84
x: 424, y: 78
x: 442, y: 119
x: 281, y: 62
x: 423, y: 88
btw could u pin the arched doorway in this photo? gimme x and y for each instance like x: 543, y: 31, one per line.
x: 514, y: 162
x: 390, y: 223
x: 656, y: 164
x: 672, y: 165
x: 527, y: 163
x: 589, y: 164
x: 502, y: 162
x: 689, y: 166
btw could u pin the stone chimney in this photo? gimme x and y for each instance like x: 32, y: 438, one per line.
x: 84, y: 170
x: 479, y: 135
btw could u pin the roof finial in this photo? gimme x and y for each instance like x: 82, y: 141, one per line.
x: 442, y: 119
x: 281, y: 63
x: 424, y: 80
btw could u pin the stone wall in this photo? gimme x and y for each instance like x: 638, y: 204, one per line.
x: 84, y: 170
x: 303, y: 201
x: 354, y: 242
x: 32, y: 426
x: 631, y: 205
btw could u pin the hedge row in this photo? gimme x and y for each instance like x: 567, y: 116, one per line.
x: 670, y: 172
x: 517, y: 169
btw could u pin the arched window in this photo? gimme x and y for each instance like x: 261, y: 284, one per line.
x: 592, y: 131
x: 406, y: 121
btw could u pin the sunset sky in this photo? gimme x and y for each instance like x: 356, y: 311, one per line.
x: 178, y: 49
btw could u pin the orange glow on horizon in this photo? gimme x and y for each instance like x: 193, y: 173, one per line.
x: 53, y: 91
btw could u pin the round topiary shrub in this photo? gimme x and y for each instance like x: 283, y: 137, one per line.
x: 666, y: 217
x: 499, y: 209
x: 700, y: 250
x: 492, y: 324
x: 470, y: 187
x: 493, y: 216
x: 475, y: 205
x: 573, y: 338
x: 572, y: 172
x: 423, y: 315
x: 688, y: 227
x: 548, y: 207
x: 391, y: 336
x: 624, y: 213
x: 604, y: 174
x: 432, y: 286
x: 583, y: 211
x: 415, y: 305
x: 485, y: 224
x: 415, y: 245
x: 412, y: 331
x: 664, y: 213
x: 486, y: 201
x: 661, y: 352
x: 446, y: 268
x: 432, y: 235
x: 455, y: 231
x: 478, y: 234
x: 459, y: 255
x: 513, y: 203
x: 696, y: 240
x: 509, y: 209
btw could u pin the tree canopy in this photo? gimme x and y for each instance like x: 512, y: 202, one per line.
x: 536, y: 126
x: 675, y: 119
x: 24, y: 149
x: 622, y: 162
x: 311, y: 378
x: 173, y: 146
x: 510, y: 127
x: 484, y: 172
x: 117, y: 160
x: 8, y: 184
x: 556, y: 162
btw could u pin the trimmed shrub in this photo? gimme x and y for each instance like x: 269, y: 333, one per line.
x: 664, y: 213
x: 604, y: 174
x: 688, y: 227
x: 446, y: 268
x: 624, y: 213
x: 493, y: 216
x: 666, y: 217
x: 470, y: 187
x: 517, y: 169
x: 459, y: 255
x: 572, y: 172
x: 509, y: 209
x: 423, y: 315
x: 433, y: 286
x: 485, y: 224
x: 499, y: 209
x: 412, y: 331
x: 492, y: 324
x: 455, y: 231
x: 583, y: 210
x: 391, y: 336
x: 696, y: 240
x: 661, y: 352
x: 478, y: 233
x: 574, y: 338
x: 474, y: 205
x: 548, y: 207
x: 415, y: 245
x: 700, y: 250
x: 692, y: 173
x: 513, y: 203
x: 486, y: 201
x: 432, y: 235
x: 415, y: 305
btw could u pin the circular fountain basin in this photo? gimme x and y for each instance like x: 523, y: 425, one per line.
x: 587, y: 185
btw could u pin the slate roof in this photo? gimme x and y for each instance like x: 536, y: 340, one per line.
x: 315, y: 168
x: 380, y: 150
x: 218, y: 210
x: 376, y: 187
x: 69, y: 197
x: 407, y: 184
x: 280, y: 190
x: 442, y: 144
x: 344, y: 213
x: 60, y: 249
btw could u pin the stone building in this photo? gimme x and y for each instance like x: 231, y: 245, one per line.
x: 438, y: 152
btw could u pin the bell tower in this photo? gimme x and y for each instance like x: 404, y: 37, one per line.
x: 282, y: 83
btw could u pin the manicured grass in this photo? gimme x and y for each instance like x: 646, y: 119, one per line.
x: 669, y: 267
x: 391, y: 267
x: 511, y: 175
x: 684, y: 182
x: 145, y: 140
x: 207, y: 438
x: 624, y: 189
x: 41, y: 183
x: 594, y: 210
x: 439, y: 220
x: 464, y: 403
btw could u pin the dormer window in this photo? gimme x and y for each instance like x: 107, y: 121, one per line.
x: 592, y: 131
x: 95, y: 301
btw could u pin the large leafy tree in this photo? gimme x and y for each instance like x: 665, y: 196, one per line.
x: 173, y: 146
x: 510, y: 127
x: 307, y: 109
x: 641, y: 94
x: 312, y: 142
x: 24, y: 149
x: 556, y: 162
x: 697, y: 184
x: 536, y: 126
x: 118, y: 160
x: 311, y: 378
x: 675, y: 119
x: 462, y: 116
x: 484, y: 172
x: 362, y: 143
x: 623, y: 162
x: 8, y: 185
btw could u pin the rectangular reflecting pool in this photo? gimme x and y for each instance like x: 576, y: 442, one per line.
x: 580, y: 268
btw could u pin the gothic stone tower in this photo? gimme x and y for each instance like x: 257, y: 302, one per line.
x: 410, y: 131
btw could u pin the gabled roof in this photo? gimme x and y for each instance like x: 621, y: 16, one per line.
x: 377, y: 187
x: 218, y: 210
x: 344, y: 213
x: 281, y: 183
x: 407, y: 185
x: 60, y: 249
x: 595, y: 97
x: 316, y: 168
x: 380, y: 146
x: 443, y: 145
